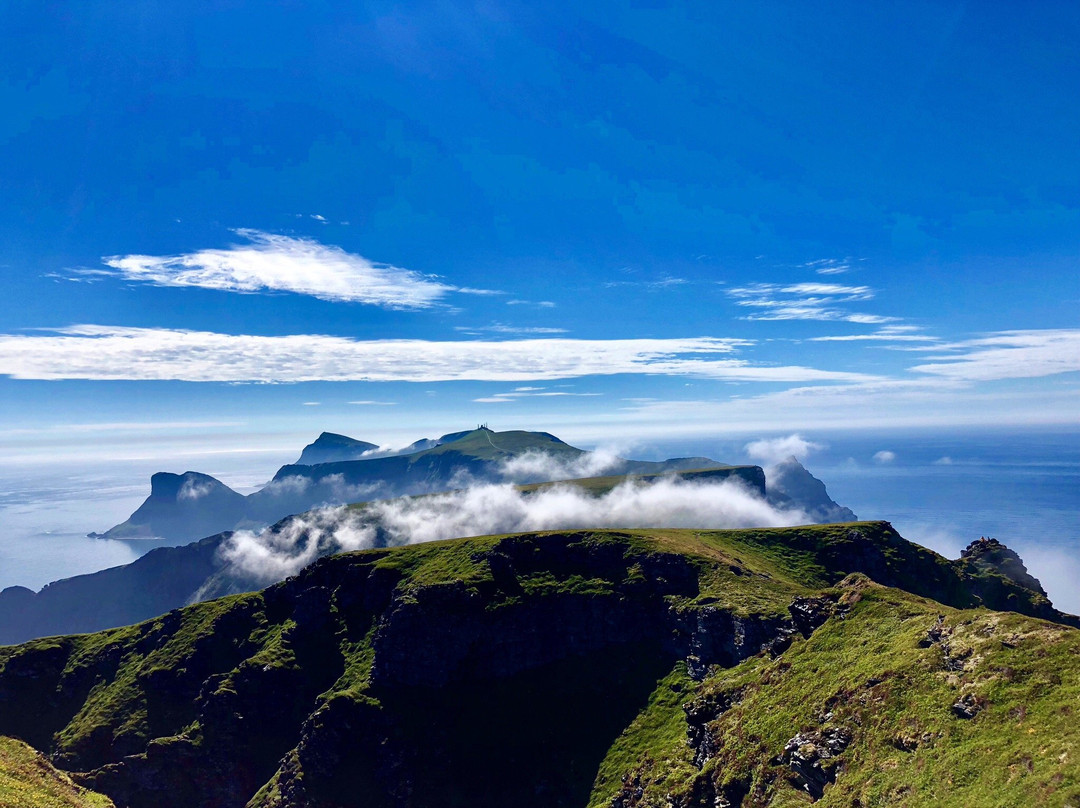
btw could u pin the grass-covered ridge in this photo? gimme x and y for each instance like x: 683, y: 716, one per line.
x: 643, y: 667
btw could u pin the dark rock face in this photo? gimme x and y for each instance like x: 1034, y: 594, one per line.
x: 790, y: 484
x: 451, y: 632
x: 704, y: 792
x: 814, y: 758
x: 968, y: 706
x: 699, y: 713
x: 809, y: 613
x: 991, y: 554
x: 708, y: 636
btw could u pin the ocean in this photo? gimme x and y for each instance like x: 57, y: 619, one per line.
x: 941, y: 489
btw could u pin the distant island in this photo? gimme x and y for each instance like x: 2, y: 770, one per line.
x: 336, y: 469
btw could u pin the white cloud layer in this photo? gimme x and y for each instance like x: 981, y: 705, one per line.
x: 493, y: 509
x: 771, y: 451
x: 116, y: 353
x: 536, y: 466
x: 274, y: 263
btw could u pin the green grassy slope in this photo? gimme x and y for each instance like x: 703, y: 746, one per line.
x: 883, y: 680
x: 27, y: 780
x: 600, y: 668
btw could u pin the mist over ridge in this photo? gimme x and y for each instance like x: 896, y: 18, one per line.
x: 485, y: 509
x: 191, y: 505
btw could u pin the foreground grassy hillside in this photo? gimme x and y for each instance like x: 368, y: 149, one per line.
x: 596, y: 668
x: 27, y: 780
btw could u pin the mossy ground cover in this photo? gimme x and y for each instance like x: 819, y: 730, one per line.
x: 872, y: 671
x: 178, y: 648
x: 27, y: 780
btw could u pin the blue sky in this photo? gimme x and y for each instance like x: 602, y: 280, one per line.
x: 605, y: 220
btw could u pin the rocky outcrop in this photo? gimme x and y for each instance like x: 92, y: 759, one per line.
x: 968, y: 706
x: 182, y: 507
x: 700, y: 712
x: 991, y: 554
x: 814, y: 758
x: 791, y: 485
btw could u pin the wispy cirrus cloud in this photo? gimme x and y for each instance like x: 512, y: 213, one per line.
x: 472, y: 290
x: 663, y: 282
x: 889, y: 333
x: 951, y: 390
x: 829, y: 266
x: 806, y: 301
x: 887, y: 404
x: 531, y: 392
x: 118, y: 353
x: 276, y: 263
x: 1007, y: 355
x: 503, y: 328
x: 122, y: 426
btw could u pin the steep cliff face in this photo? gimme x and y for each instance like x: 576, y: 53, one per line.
x: 182, y: 506
x: 161, y: 580
x: 791, y: 484
x: 592, y: 668
x: 991, y: 555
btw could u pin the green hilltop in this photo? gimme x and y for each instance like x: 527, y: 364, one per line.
x: 838, y: 663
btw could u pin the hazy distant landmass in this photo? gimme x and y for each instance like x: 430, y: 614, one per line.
x: 337, y: 469
x: 332, y: 448
x: 681, y: 492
